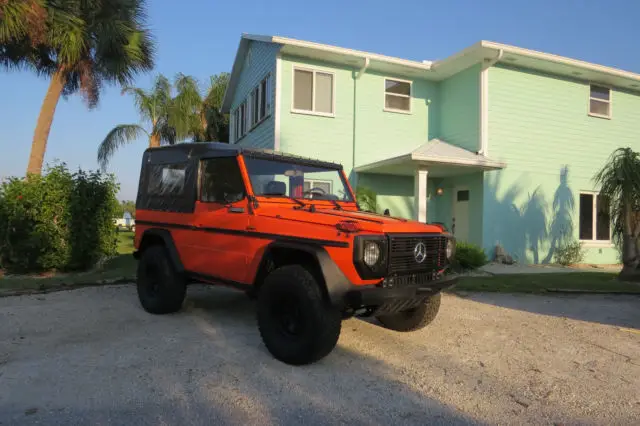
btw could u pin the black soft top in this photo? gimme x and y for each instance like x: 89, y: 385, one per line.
x: 181, y: 152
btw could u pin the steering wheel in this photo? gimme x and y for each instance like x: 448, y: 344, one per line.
x: 315, y: 190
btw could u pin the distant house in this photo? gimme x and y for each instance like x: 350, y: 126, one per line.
x: 497, y: 142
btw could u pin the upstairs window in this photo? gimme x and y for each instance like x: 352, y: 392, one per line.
x: 313, y: 92
x: 397, y: 95
x: 600, y: 101
x: 240, y: 122
x: 595, y: 218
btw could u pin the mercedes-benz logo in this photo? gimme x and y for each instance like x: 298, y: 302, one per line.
x: 420, y: 252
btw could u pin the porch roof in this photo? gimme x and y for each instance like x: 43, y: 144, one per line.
x: 439, y: 157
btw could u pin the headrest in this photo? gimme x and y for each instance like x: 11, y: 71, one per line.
x: 276, y: 188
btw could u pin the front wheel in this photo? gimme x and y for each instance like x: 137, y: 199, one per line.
x: 415, y: 318
x: 297, y: 324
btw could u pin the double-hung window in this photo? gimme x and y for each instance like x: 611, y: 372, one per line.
x: 599, y: 101
x: 313, y: 92
x: 255, y: 108
x: 397, y: 95
x: 595, y: 218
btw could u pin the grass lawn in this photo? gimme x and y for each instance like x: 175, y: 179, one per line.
x: 120, y: 268
x: 541, y: 283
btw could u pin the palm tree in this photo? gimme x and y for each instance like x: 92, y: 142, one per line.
x: 22, y: 20
x: 85, y: 44
x: 619, y: 181
x: 154, y: 107
x: 197, y: 116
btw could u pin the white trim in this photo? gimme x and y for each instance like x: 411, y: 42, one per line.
x: 484, y: 112
x: 384, y: 95
x: 314, y: 71
x: 549, y: 57
x: 459, y: 161
x: 593, y: 242
x: 278, y: 99
x: 609, y: 102
x: 424, y: 65
x: 420, y: 180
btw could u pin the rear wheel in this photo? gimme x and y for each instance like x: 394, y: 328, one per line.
x: 161, y: 289
x: 298, y: 326
x: 415, y: 318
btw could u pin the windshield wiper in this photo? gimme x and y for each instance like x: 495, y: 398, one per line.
x: 300, y: 203
x: 335, y: 203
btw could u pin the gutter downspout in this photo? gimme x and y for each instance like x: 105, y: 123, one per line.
x: 484, y: 102
x: 359, y: 73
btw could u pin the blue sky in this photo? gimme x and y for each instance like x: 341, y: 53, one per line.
x: 200, y: 38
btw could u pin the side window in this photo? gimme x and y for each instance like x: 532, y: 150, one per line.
x: 221, y: 181
x: 166, y: 180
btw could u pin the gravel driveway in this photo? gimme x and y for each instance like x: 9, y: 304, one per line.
x: 92, y: 356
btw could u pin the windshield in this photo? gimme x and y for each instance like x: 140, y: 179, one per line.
x: 289, y: 179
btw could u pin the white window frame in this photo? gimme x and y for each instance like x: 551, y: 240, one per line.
x: 238, y: 133
x: 594, y: 242
x: 250, y: 114
x: 384, y: 95
x: 267, y: 107
x: 610, y: 101
x: 313, y: 92
x: 312, y: 181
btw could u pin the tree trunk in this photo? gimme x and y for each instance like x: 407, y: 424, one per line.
x: 630, y: 252
x: 43, y: 126
x: 154, y: 140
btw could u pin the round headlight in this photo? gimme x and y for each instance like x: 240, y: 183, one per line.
x: 371, y: 253
x: 451, y: 245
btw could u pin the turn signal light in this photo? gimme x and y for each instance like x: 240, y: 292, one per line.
x: 348, y: 226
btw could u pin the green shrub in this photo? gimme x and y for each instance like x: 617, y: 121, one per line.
x: 569, y: 254
x: 57, y: 221
x: 469, y: 256
x: 366, y: 198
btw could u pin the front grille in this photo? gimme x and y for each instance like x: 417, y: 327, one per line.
x: 402, y: 259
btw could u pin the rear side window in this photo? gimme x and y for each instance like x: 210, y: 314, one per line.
x: 221, y: 181
x: 166, y: 180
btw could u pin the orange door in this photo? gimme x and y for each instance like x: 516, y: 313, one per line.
x: 217, y: 247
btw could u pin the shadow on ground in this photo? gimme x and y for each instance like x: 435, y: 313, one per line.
x: 617, y: 310
x: 95, y: 357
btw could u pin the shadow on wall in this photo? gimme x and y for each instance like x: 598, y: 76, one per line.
x: 520, y: 227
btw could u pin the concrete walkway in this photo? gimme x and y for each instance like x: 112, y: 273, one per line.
x: 499, y: 269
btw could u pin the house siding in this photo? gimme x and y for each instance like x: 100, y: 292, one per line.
x: 259, y: 62
x: 324, y: 138
x: 383, y: 134
x: 460, y: 109
x: 539, y: 126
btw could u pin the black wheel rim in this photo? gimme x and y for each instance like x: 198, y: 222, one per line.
x: 287, y: 315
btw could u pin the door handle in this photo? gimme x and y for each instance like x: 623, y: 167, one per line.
x: 235, y: 209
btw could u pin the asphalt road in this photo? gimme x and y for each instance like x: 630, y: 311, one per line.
x: 93, y: 356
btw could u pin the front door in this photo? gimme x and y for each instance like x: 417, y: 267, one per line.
x: 460, y: 220
x: 218, y: 248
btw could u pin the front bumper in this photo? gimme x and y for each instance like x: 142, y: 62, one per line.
x: 374, y: 296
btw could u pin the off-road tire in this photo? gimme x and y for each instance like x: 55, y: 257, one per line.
x: 319, y: 322
x: 161, y: 289
x: 415, y: 318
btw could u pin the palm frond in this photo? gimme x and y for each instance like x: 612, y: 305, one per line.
x: 117, y: 137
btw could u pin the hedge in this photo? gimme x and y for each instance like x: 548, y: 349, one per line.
x: 58, y: 221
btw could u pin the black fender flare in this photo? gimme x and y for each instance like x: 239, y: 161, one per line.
x: 335, y: 282
x: 167, y: 239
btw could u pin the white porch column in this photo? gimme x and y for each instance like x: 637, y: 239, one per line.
x: 420, y: 194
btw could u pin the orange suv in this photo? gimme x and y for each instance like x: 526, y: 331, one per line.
x: 288, y: 231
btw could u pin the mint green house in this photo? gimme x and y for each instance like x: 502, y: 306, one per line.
x: 497, y: 142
